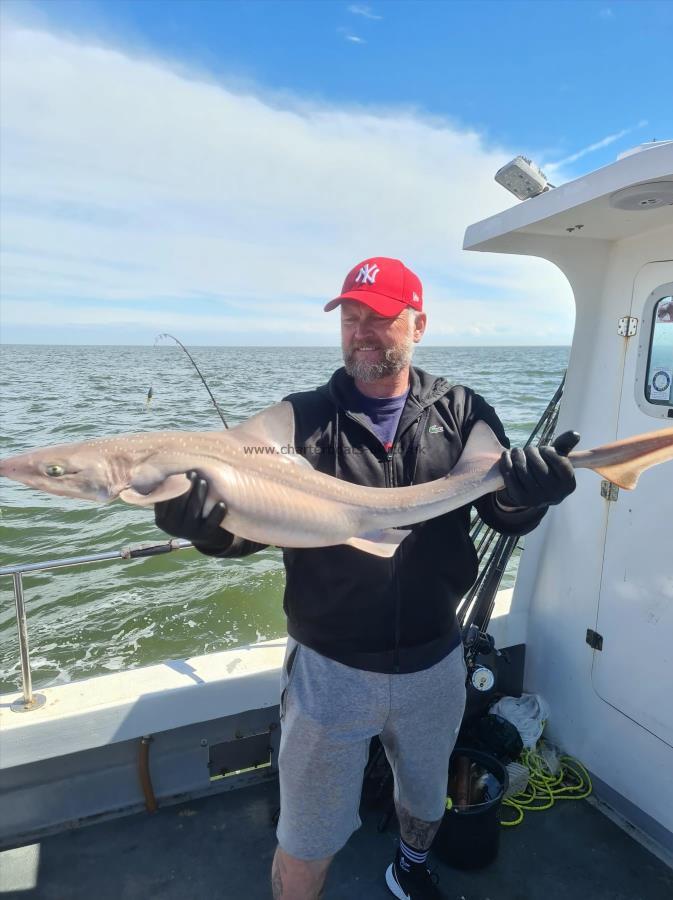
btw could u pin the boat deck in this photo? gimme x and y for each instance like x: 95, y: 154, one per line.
x: 221, y: 847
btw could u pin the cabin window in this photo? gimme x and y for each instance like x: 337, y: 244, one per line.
x: 657, y: 378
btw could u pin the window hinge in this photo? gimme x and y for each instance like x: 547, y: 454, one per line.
x: 627, y: 326
x: 594, y: 639
x: 609, y: 491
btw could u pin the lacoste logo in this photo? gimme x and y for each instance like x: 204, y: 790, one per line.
x: 435, y: 429
x: 367, y: 274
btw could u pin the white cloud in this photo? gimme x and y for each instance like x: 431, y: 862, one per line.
x: 359, y: 9
x: 137, y: 198
x: 349, y: 36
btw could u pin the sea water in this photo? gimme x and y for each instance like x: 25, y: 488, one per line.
x: 91, y: 620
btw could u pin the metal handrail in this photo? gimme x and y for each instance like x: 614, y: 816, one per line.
x: 30, y: 700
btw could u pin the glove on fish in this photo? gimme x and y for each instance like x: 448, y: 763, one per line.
x: 538, y: 476
x: 183, y: 517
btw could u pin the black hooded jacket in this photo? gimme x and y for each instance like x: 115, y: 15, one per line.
x: 397, y: 614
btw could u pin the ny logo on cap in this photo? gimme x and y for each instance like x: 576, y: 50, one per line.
x: 367, y: 274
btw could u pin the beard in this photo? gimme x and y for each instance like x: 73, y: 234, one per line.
x: 392, y: 361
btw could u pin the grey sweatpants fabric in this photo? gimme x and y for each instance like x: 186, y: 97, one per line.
x: 329, y: 713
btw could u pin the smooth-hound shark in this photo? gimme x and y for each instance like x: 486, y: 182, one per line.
x: 272, y: 493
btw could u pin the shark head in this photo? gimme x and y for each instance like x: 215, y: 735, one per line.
x: 68, y: 470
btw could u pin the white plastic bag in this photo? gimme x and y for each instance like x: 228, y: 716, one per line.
x: 551, y: 756
x: 518, y: 779
x: 528, y: 713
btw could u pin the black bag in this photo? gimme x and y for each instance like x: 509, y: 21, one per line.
x: 492, y: 734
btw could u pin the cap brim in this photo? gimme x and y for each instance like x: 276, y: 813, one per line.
x: 384, y: 306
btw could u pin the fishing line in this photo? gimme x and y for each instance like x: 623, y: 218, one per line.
x: 192, y: 361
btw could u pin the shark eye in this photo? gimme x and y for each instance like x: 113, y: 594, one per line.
x: 55, y: 471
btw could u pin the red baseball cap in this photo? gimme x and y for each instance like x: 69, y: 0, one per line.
x: 384, y: 284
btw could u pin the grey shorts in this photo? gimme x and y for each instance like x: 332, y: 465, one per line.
x: 330, y: 712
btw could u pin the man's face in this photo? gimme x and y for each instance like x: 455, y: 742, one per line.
x: 377, y: 346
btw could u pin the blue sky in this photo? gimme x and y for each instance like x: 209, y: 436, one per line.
x: 215, y: 168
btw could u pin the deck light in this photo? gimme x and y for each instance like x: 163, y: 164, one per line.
x: 523, y: 178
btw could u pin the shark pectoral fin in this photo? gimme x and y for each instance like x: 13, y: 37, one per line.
x: 173, y: 486
x: 379, y: 543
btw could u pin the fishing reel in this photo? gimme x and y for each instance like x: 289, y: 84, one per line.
x: 481, y: 658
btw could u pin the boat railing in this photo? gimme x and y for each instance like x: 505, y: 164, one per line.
x: 30, y: 699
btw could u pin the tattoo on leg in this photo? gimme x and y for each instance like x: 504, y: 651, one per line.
x: 415, y: 832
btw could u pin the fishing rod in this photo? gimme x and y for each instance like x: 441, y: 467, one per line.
x: 477, y: 605
x: 192, y: 361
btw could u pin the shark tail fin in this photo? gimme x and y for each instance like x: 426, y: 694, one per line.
x: 624, y: 476
x: 624, y: 461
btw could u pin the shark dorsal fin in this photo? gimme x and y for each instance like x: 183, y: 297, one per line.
x: 273, y: 427
x: 482, y: 450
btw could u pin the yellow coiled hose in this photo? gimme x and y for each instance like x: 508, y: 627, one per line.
x: 571, y: 782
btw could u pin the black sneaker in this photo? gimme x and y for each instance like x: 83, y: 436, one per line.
x: 419, y: 883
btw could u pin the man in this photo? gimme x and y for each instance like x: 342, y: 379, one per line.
x: 374, y: 647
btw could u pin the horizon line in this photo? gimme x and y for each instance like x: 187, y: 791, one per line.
x: 262, y: 346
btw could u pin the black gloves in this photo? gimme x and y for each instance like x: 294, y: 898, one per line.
x: 183, y: 517
x: 538, y: 476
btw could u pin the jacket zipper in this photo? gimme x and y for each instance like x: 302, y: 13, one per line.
x: 390, y: 482
x: 395, y: 560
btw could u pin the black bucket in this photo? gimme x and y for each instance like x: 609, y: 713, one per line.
x: 468, y: 837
